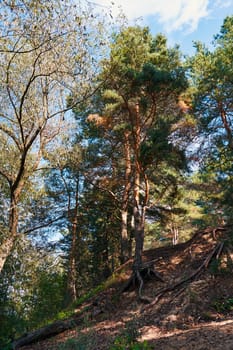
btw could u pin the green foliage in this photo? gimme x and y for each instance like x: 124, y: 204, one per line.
x: 123, y: 57
x: 52, y: 53
x: 128, y: 338
x: 215, y: 266
x: 47, y: 298
x: 109, y: 282
x: 223, y: 305
x: 158, y: 149
x: 123, y: 344
x: 142, y: 80
x: 12, y: 324
x: 211, y: 73
x: 68, y: 312
x: 83, y: 342
x: 219, y: 267
x: 89, y: 294
x: 31, y: 290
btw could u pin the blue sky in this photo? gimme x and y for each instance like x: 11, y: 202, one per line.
x: 182, y: 21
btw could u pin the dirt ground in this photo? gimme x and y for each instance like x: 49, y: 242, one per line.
x: 208, y: 336
x: 191, y: 309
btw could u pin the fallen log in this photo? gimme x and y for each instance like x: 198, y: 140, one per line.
x: 45, y: 332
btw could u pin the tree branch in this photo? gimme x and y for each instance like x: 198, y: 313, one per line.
x: 45, y: 224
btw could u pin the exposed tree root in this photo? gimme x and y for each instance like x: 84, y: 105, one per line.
x: 146, y: 272
x: 215, y: 252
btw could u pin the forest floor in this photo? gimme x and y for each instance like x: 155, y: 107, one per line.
x: 191, y: 309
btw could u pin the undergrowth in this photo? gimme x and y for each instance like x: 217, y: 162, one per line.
x: 85, y: 297
x: 127, y: 340
x: 83, y: 342
x: 223, y: 305
x: 122, y: 344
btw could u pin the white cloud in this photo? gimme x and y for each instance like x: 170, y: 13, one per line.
x: 171, y: 14
x: 190, y: 14
x: 223, y: 4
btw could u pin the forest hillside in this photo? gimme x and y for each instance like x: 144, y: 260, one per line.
x: 190, y: 305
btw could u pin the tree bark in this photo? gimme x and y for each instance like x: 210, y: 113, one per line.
x: 139, y: 222
x: 8, y: 243
x: 138, y: 210
x: 125, y: 253
x: 139, y: 233
x: 72, y: 272
x: 5, y: 250
x: 124, y: 236
x: 226, y: 125
x: 16, y: 186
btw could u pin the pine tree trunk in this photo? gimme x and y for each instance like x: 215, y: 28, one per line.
x: 124, y: 237
x: 139, y: 239
x: 71, y: 284
x: 139, y: 224
x: 125, y: 253
x: 226, y: 125
x: 138, y: 210
x: 72, y: 272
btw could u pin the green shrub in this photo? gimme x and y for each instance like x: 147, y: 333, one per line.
x: 122, y: 343
x: 128, y: 338
x: 225, y: 305
x: 83, y: 342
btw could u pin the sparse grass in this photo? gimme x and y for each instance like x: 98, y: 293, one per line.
x: 207, y: 316
x: 111, y: 281
x: 193, y: 295
x: 221, y: 267
x: 127, y: 340
x: 122, y: 344
x: 70, y: 311
x: 90, y: 294
x: 83, y: 342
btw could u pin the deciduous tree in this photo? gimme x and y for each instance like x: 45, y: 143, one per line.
x: 47, y: 52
